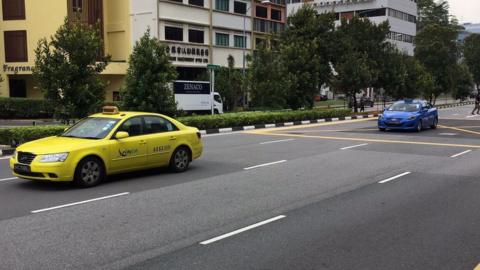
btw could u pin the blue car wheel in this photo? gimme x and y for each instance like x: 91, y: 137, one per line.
x: 434, y: 123
x: 419, y: 126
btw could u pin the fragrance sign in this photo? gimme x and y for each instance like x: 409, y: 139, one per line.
x: 17, y: 69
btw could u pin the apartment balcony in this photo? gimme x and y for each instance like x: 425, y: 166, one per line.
x: 267, y: 26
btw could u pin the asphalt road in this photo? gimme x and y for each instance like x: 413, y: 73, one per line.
x: 338, y: 195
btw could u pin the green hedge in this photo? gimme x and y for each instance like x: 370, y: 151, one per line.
x: 256, y: 118
x: 18, y: 135
x: 12, y: 136
x: 19, y: 108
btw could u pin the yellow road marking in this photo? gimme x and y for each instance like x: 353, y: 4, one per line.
x: 368, y: 140
x: 478, y: 267
x: 460, y: 129
x: 317, y: 125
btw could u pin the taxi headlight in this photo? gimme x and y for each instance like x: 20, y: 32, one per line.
x: 60, y: 157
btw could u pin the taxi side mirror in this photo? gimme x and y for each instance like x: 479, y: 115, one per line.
x: 121, y: 135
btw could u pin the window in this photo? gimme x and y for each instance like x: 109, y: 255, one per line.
x: 240, y: 7
x: 196, y: 2
x: 13, y: 9
x: 195, y: 36
x: 239, y: 41
x: 221, y: 39
x: 261, y: 12
x: 222, y: 5
x: 173, y: 33
x: 276, y: 15
x: 18, y: 88
x: 155, y: 124
x: 133, y: 126
x: 372, y: 12
x: 217, y: 98
x: 259, y: 42
x: 116, y: 96
x: 77, y: 5
x: 15, y: 46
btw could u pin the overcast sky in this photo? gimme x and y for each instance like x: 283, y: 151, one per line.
x: 465, y: 10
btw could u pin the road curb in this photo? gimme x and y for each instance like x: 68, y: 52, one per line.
x: 6, y: 152
x: 285, y: 124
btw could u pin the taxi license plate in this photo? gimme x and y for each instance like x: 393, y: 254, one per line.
x: 21, y: 168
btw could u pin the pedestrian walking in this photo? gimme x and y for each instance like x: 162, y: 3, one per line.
x: 477, y: 103
x: 362, y: 104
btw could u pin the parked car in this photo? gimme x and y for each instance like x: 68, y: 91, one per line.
x: 321, y: 98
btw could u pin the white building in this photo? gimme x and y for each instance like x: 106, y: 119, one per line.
x: 401, y: 14
x: 201, y: 32
x: 469, y: 28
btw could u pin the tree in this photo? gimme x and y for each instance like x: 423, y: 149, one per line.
x: 306, y: 48
x: 362, y: 44
x: 436, y: 48
x: 267, y: 84
x: 463, y: 81
x: 418, y: 82
x: 67, y: 69
x: 148, y: 75
x: 432, y: 12
x: 228, y: 82
x: 392, y: 75
x: 471, y: 52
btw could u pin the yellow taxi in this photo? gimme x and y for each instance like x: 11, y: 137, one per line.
x: 108, y: 143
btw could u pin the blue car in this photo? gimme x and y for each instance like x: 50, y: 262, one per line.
x: 408, y: 115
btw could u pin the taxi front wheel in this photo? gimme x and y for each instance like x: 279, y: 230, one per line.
x: 180, y: 159
x: 89, y: 172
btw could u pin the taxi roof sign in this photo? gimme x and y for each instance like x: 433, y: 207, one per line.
x: 110, y: 110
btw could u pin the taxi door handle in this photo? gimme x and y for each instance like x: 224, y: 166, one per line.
x: 143, y: 142
x: 173, y: 138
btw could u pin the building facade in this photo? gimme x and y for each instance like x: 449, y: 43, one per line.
x: 401, y: 14
x: 196, y: 32
x: 202, y: 32
x: 25, y: 22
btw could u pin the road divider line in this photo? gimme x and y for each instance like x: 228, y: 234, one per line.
x: 278, y: 141
x: 7, y: 157
x: 8, y: 179
x: 354, y: 146
x: 266, y: 164
x: 460, y: 154
x: 394, y: 177
x: 223, y: 236
x: 77, y: 203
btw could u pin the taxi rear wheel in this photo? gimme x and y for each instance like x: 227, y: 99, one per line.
x: 89, y: 172
x: 180, y: 159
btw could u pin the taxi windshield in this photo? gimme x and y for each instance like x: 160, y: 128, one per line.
x: 405, y: 107
x: 91, y: 128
